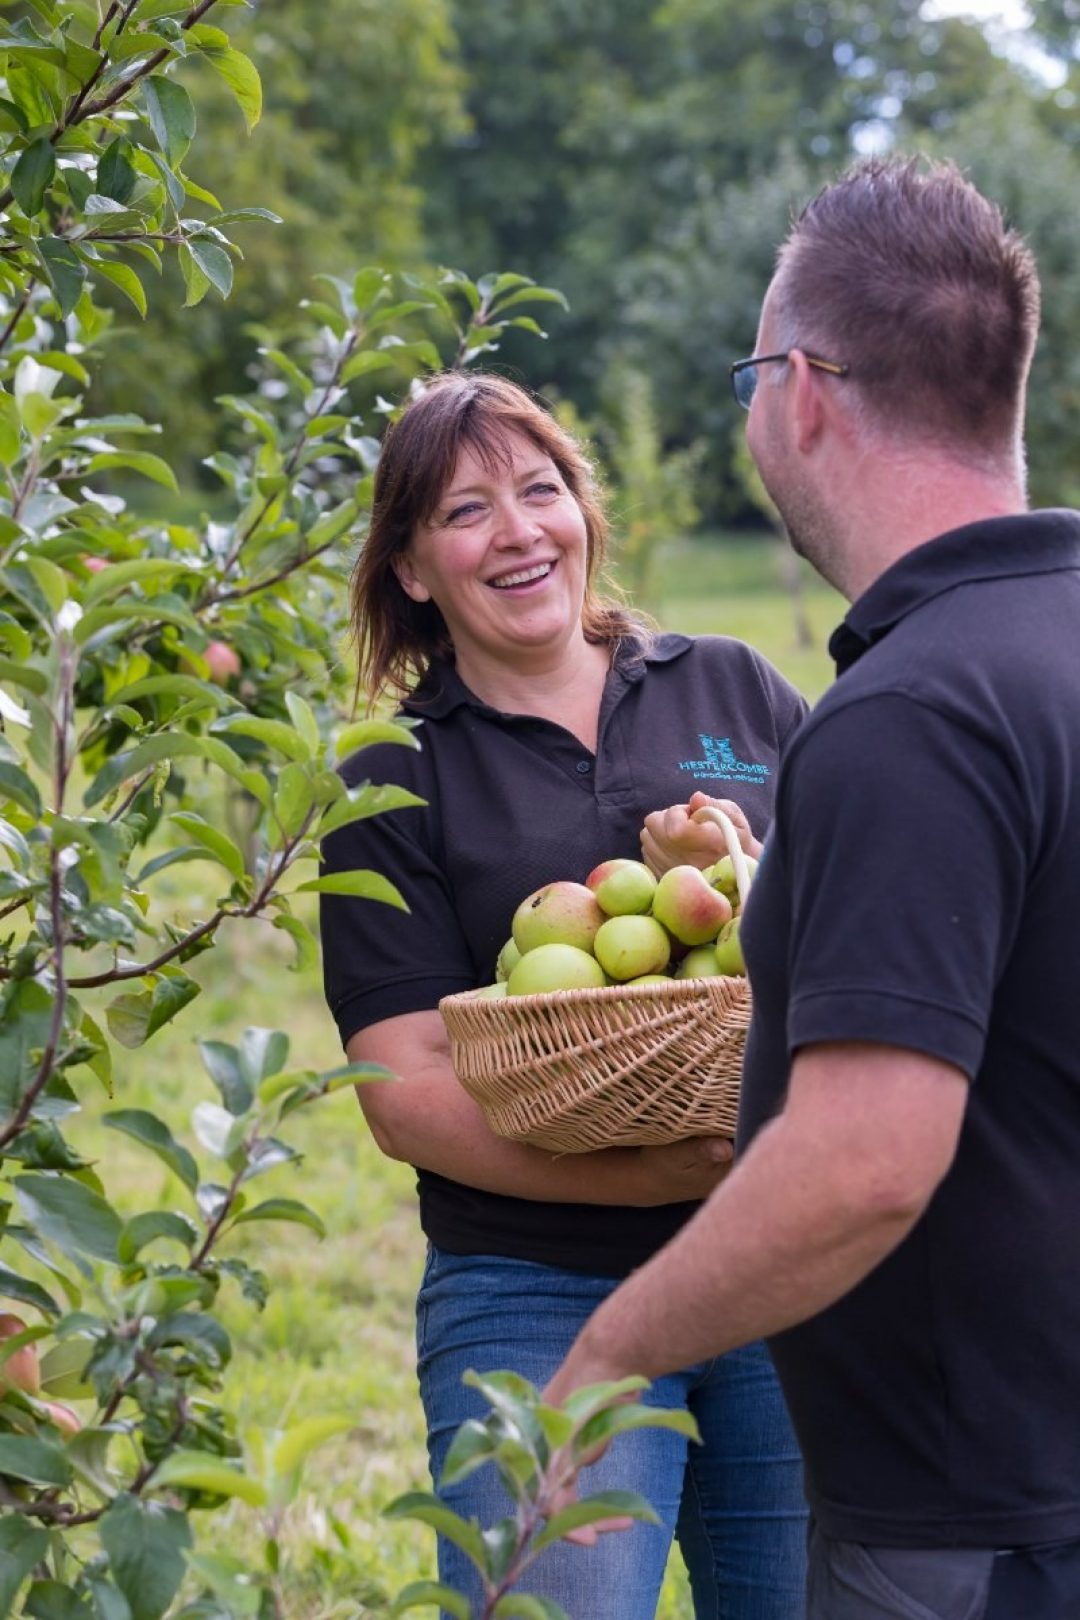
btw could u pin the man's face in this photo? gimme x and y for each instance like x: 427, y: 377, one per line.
x: 786, y: 471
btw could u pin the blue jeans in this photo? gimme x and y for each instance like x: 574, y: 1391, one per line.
x: 735, y: 1502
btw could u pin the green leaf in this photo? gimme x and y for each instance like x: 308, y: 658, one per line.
x: 526, y: 1607
x: 172, y: 115
x: 65, y: 270
x: 134, y: 1016
x: 427, y: 1509
x: 32, y: 175
x: 367, y: 801
x: 10, y: 436
x: 593, y: 1510
x: 363, y: 733
x: 53, y: 1600
x: 124, y: 277
x: 262, y: 1052
x: 200, y: 1471
x: 17, y: 786
x: 38, y: 1461
x: 179, y: 686
x: 295, y: 1446
x: 307, y: 954
x: 214, y: 263
x: 140, y: 461
x: 63, y: 1370
x: 604, y: 1426
x: 274, y: 733
x: 533, y: 295
x: 70, y: 1215
x: 163, y: 745
x: 22, y: 1545
x: 155, y: 1134
x: 472, y: 1446
x: 219, y: 844
x: 151, y: 1225
x: 216, y: 1129
x: 294, y: 799
x: 362, y: 884
x: 196, y: 283
x: 430, y: 1595
x: 116, y: 175
x: 222, y: 1063
x: 12, y: 1286
x: 303, y: 718
x: 283, y: 1209
x: 146, y: 1543
x: 367, y: 360
x: 242, y: 77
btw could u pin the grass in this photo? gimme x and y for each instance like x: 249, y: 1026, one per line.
x: 337, y: 1333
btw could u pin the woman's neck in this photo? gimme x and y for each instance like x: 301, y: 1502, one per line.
x: 564, y: 686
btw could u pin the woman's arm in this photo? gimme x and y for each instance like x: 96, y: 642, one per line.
x: 427, y: 1119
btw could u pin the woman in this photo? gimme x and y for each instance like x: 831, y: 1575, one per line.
x: 552, y: 724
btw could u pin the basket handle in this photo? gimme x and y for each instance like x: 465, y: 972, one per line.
x: 709, y: 812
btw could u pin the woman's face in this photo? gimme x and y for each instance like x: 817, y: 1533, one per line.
x: 503, y: 556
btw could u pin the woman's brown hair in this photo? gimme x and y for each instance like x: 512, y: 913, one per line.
x: 397, y: 638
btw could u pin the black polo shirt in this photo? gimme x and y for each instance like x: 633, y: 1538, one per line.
x: 921, y: 888
x: 513, y: 802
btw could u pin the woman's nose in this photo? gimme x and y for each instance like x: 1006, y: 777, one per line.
x: 514, y: 526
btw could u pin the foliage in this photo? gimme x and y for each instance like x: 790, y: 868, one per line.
x: 538, y: 1451
x: 142, y: 664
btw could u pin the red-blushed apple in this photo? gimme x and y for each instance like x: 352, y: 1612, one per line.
x: 729, y: 954
x: 508, y: 959
x: 627, y: 947
x: 689, y: 907
x: 560, y: 913
x: 21, y: 1370
x: 67, y: 1421
x: 222, y: 661
x: 699, y: 963
x: 92, y: 563
x: 555, y: 967
x: 622, y: 888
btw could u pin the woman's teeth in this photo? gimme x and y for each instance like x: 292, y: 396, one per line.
x: 525, y: 577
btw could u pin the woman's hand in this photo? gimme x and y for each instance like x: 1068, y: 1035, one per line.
x: 677, y: 1172
x: 673, y: 837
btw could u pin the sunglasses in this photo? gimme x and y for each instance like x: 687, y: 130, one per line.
x: 744, y: 376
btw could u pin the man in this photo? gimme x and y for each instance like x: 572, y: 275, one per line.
x: 903, y: 1220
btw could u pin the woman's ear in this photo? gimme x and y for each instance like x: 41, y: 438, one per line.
x: 407, y: 578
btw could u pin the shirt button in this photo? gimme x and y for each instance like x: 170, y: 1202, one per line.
x: 583, y: 767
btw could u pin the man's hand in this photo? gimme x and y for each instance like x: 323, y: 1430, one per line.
x: 672, y: 837
x: 686, y: 1171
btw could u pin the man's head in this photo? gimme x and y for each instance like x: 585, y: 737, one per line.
x: 907, y: 277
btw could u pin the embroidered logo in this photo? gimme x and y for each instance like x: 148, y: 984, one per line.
x: 722, y: 764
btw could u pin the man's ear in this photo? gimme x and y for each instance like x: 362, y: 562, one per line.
x: 402, y: 565
x: 807, y: 403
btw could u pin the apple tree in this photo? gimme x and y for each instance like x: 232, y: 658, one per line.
x: 151, y: 666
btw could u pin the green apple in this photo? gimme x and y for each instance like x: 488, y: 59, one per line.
x: 622, y: 888
x: 508, y: 959
x: 729, y: 954
x: 558, y: 914
x: 722, y: 876
x: 651, y: 978
x: 555, y: 967
x: 700, y: 963
x: 627, y: 947
x: 490, y: 992
x: 689, y: 907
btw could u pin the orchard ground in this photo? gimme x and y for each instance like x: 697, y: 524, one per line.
x: 337, y: 1332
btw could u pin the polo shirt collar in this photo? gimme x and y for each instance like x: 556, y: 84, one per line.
x: 997, y: 548
x: 442, y: 690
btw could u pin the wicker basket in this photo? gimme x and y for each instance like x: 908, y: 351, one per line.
x: 624, y: 1066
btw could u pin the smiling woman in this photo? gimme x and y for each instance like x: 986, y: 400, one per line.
x: 554, y: 721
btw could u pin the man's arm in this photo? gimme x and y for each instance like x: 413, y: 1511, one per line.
x: 824, y: 1193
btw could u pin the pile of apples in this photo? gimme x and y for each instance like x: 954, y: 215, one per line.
x: 623, y: 926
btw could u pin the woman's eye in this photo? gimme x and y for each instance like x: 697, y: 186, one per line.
x: 543, y: 489
x: 463, y: 513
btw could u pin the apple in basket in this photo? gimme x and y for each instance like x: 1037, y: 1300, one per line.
x: 628, y: 947
x: 623, y: 888
x: 560, y: 913
x: 689, y: 907
x: 555, y: 967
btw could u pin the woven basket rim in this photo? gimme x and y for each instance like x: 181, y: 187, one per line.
x: 597, y: 993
